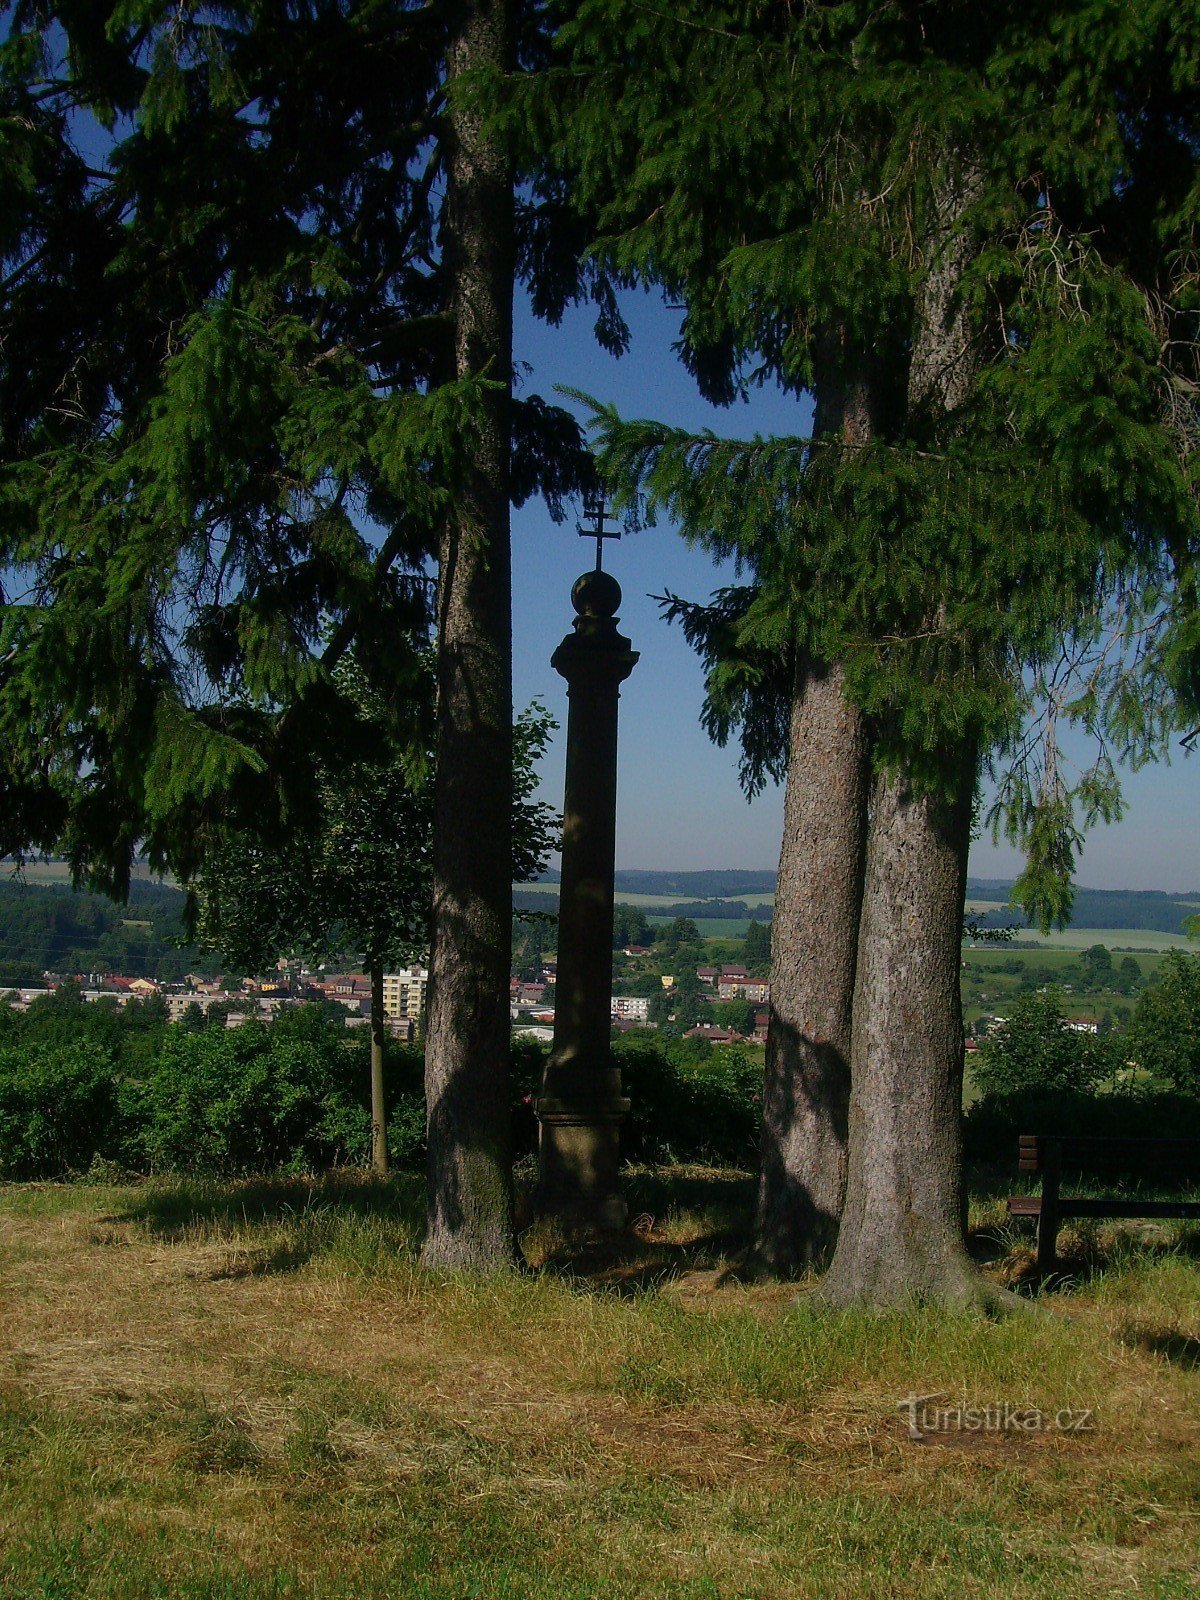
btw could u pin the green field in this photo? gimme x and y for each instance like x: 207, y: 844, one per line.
x: 652, y: 904
x: 661, y: 902
x: 1114, y: 938
x: 994, y: 977
x: 58, y: 872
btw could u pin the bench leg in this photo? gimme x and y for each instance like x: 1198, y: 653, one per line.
x: 1047, y: 1235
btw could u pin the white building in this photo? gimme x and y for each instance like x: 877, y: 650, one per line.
x: 631, y: 1007
x: 404, y: 992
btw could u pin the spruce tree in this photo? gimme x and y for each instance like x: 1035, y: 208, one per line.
x: 224, y: 457
x: 467, y: 1028
x: 275, y: 383
x: 950, y: 555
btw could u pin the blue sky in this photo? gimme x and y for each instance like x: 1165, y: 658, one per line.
x: 679, y: 805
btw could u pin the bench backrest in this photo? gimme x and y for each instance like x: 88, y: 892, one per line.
x: 1088, y: 1153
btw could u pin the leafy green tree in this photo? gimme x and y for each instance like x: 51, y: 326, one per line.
x: 688, y: 1004
x: 1097, y: 963
x: 694, y: 1052
x: 1129, y: 974
x: 629, y: 926
x: 359, y: 882
x: 659, y: 1008
x: 1165, y: 1032
x: 672, y: 936
x: 1036, y: 1050
x: 737, y: 1015
x: 758, y: 946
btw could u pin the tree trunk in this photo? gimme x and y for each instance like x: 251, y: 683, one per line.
x: 814, y: 942
x: 814, y: 930
x: 379, y: 1147
x: 903, y: 1221
x: 902, y: 1224
x: 467, y: 1027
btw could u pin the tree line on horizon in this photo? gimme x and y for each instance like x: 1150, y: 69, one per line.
x: 256, y: 360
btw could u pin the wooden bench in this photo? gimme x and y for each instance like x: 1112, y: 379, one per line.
x: 1054, y: 1154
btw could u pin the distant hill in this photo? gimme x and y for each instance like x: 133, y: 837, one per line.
x: 989, y: 888
x: 726, y: 885
x: 46, y: 926
x: 1151, y: 910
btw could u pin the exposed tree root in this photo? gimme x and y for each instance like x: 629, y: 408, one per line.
x: 955, y: 1289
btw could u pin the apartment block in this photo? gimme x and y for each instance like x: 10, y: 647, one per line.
x: 404, y: 992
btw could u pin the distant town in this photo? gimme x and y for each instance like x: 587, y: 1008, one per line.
x: 257, y: 999
x: 531, y: 1000
x: 685, y: 999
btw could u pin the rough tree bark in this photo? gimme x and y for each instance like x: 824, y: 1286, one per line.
x: 379, y: 1148
x: 814, y: 937
x: 470, y: 1217
x: 902, y: 1224
x: 901, y: 1234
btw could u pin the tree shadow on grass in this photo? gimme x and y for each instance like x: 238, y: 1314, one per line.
x: 1086, y: 1251
x: 680, y: 1222
x: 1180, y: 1349
x: 268, y: 1263
x: 171, y: 1210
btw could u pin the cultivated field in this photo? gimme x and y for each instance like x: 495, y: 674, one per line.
x: 234, y: 1393
x: 58, y: 872
x: 1118, y: 939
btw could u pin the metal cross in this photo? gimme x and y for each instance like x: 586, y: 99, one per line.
x: 596, y: 507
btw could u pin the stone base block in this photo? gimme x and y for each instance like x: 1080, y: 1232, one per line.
x: 578, y: 1160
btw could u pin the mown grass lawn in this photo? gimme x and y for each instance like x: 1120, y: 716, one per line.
x: 252, y: 1390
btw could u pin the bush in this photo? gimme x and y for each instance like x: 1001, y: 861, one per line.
x: 709, y: 1112
x: 292, y: 1097
x: 295, y: 1097
x: 1035, y: 1050
x: 994, y: 1123
x: 58, y: 1109
x: 244, y: 1100
x: 1166, y: 1027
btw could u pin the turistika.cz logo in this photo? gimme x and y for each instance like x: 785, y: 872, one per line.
x: 925, y: 1415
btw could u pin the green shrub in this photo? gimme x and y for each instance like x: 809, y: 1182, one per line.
x: 406, y: 1131
x: 1165, y: 1035
x: 1035, y: 1050
x: 295, y: 1097
x: 996, y: 1121
x: 246, y: 1099
x: 709, y: 1112
x: 58, y: 1109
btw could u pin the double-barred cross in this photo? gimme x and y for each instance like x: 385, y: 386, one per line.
x: 595, y: 507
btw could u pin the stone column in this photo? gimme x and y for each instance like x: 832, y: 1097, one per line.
x: 581, y: 1105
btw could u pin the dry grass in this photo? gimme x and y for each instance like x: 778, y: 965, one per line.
x: 253, y: 1390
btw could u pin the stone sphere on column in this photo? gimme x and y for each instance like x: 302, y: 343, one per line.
x: 596, y: 594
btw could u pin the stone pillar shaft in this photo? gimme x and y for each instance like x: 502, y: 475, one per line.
x: 581, y: 1106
